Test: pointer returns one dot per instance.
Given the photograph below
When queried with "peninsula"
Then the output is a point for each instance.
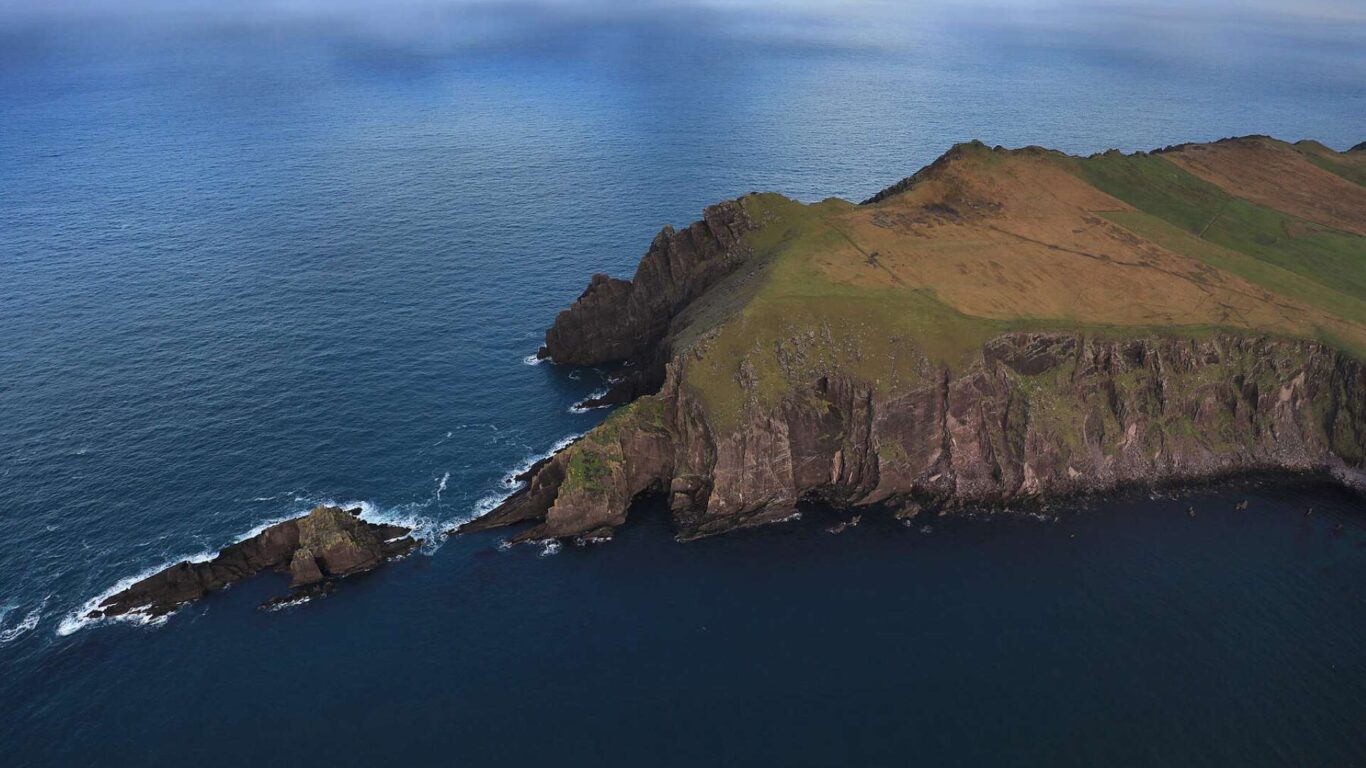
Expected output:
(1004, 326)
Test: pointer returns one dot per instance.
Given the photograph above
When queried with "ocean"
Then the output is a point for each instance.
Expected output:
(257, 259)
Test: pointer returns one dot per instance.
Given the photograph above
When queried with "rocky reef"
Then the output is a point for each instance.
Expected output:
(328, 543)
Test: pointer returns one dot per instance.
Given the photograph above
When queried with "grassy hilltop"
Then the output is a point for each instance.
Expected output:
(1246, 235)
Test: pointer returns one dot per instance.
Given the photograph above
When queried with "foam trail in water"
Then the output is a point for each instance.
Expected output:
(24, 626)
(442, 485)
(533, 359)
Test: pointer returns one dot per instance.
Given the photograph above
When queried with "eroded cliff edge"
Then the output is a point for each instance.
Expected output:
(1002, 326)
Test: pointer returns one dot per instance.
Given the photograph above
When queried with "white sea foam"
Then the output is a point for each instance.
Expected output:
(579, 407)
(410, 516)
(23, 626)
(442, 485)
(532, 359)
(549, 547)
(79, 619)
(284, 604)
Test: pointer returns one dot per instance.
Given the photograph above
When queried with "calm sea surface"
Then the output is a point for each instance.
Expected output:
(251, 262)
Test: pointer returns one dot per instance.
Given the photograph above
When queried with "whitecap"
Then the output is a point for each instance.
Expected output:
(549, 547)
(534, 359)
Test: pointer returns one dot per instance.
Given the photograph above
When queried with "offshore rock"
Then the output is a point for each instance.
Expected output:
(327, 543)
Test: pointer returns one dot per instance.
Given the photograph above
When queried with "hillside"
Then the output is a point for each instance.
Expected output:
(1003, 325)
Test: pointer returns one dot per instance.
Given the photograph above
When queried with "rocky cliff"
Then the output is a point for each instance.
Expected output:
(999, 328)
(619, 320)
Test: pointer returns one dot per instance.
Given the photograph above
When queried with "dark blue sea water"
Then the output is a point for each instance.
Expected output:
(255, 259)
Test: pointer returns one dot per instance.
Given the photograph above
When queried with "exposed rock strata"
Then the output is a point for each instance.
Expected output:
(327, 543)
(1039, 414)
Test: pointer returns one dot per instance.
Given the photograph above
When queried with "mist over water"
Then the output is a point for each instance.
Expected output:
(258, 256)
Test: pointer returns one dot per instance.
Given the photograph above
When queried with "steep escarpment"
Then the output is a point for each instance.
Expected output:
(1001, 327)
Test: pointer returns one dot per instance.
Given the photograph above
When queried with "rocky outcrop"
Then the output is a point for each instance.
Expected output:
(617, 320)
(1039, 415)
(327, 543)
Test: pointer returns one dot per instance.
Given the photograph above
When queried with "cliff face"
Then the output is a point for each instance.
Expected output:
(1037, 415)
(616, 320)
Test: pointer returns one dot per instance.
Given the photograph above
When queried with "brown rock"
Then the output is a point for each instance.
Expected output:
(326, 543)
(304, 569)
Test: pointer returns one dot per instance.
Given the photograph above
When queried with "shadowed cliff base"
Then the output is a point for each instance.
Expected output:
(1001, 327)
